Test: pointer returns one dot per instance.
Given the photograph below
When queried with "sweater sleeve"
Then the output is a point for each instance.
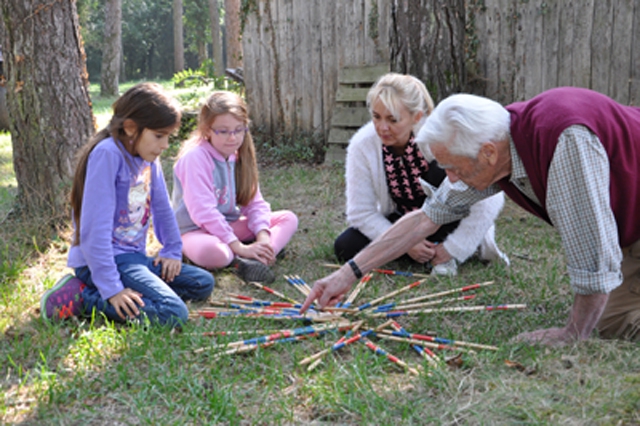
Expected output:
(195, 172)
(97, 221)
(466, 238)
(362, 177)
(258, 213)
(164, 221)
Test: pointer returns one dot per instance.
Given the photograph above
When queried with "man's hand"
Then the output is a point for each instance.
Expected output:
(585, 313)
(330, 290)
(126, 303)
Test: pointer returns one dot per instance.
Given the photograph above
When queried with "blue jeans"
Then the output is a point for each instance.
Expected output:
(163, 302)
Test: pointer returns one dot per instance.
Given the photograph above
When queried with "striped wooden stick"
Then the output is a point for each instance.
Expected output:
(303, 283)
(426, 353)
(443, 341)
(394, 314)
(385, 271)
(439, 346)
(320, 354)
(335, 347)
(445, 293)
(389, 295)
(379, 351)
(358, 288)
(434, 302)
(274, 292)
(296, 285)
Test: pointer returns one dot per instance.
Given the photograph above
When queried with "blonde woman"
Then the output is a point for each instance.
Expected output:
(384, 169)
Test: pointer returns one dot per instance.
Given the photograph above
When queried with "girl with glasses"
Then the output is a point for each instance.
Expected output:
(223, 219)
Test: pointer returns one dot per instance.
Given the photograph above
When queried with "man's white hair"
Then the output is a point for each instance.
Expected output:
(463, 122)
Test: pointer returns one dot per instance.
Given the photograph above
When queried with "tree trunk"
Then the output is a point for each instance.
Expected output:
(216, 41)
(48, 100)
(110, 72)
(232, 25)
(178, 38)
(427, 41)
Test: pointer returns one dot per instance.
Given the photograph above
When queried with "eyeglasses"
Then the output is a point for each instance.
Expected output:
(228, 133)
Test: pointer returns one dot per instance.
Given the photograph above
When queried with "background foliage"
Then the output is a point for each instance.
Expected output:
(147, 36)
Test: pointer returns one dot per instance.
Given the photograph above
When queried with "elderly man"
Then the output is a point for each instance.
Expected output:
(570, 156)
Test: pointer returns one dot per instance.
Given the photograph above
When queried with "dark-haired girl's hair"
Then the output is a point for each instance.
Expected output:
(149, 106)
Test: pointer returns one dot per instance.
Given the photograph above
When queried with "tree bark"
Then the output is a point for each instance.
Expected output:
(234, 40)
(216, 40)
(427, 41)
(110, 73)
(47, 98)
(178, 37)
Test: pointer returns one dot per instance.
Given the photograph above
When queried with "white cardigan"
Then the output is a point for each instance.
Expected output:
(368, 200)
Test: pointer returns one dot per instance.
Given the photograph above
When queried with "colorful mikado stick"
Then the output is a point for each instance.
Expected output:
(379, 351)
(318, 355)
(248, 348)
(336, 346)
(340, 326)
(259, 302)
(358, 288)
(434, 302)
(426, 353)
(444, 341)
(274, 292)
(385, 271)
(386, 336)
(303, 283)
(394, 314)
(389, 295)
(445, 293)
(296, 285)
(314, 364)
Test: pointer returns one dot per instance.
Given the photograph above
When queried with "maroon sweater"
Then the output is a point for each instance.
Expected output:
(536, 125)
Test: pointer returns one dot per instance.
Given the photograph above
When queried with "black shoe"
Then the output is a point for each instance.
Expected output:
(252, 270)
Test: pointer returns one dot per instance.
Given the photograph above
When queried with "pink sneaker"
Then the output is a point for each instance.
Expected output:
(63, 300)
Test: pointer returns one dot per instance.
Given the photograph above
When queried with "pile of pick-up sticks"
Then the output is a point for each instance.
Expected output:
(347, 318)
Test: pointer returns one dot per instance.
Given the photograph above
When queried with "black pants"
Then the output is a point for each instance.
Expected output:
(352, 241)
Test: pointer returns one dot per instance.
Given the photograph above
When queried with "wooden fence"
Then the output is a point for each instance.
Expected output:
(528, 46)
(294, 49)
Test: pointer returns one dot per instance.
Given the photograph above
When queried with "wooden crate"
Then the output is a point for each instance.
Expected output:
(350, 111)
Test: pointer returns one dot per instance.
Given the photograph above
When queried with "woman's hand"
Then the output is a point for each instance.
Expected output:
(126, 303)
(422, 252)
(441, 255)
(170, 267)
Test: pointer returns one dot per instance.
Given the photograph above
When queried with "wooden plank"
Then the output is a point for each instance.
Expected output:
(507, 52)
(362, 75)
(335, 153)
(340, 135)
(329, 62)
(351, 94)
(519, 54)
(621, 52)
(533, 49)
(489, 53)
(550, 46)
(582, 34)
(354, 117)
(565, 43)
(634, 78)
(601, 46)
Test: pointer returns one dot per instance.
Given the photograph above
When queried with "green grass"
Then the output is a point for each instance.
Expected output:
(91, 372)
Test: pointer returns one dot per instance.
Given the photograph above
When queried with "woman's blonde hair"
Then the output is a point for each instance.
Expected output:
(395, 90)
(246, 175)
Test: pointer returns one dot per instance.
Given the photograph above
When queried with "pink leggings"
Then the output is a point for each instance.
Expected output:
(209, 252)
